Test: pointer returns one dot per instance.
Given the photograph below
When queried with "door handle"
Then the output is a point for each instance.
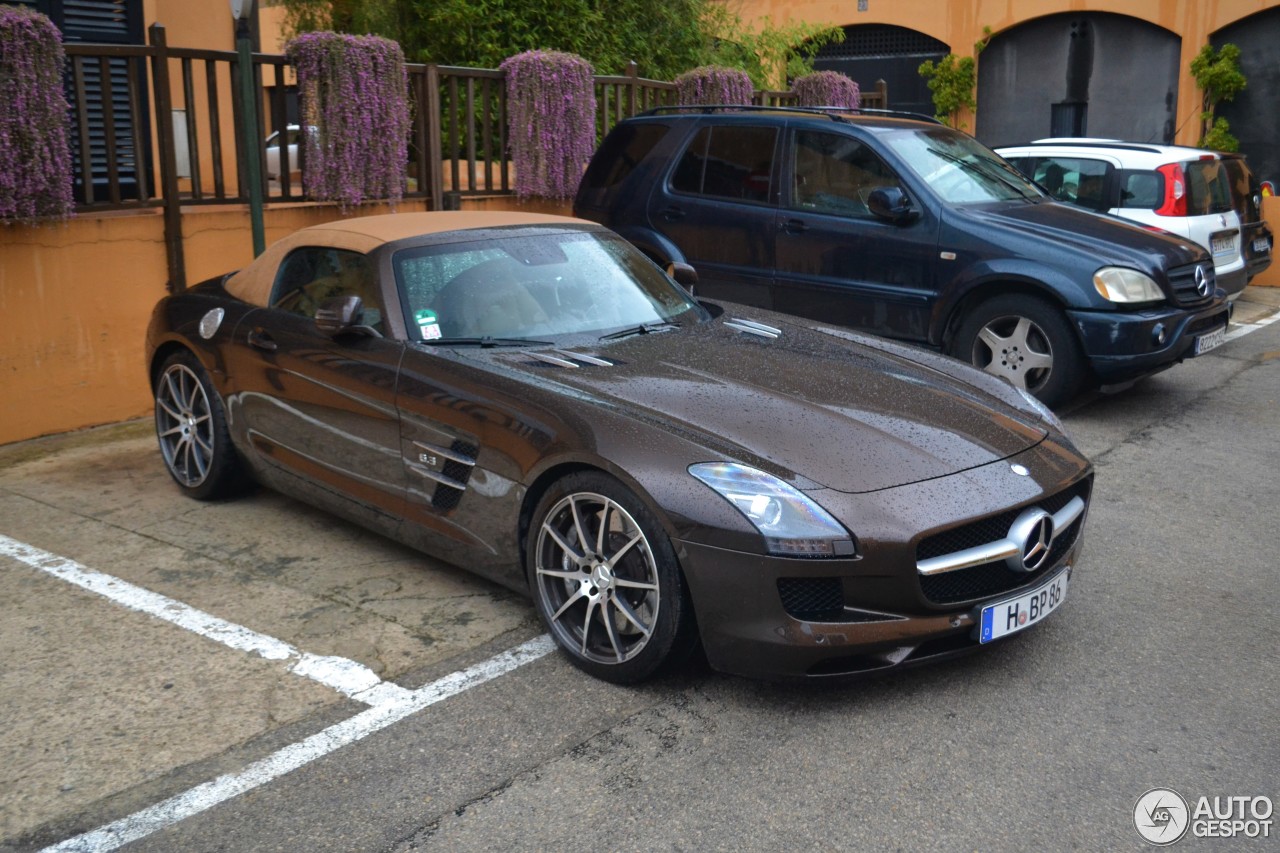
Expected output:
(260, 339)
(671, 213)
(793, 226)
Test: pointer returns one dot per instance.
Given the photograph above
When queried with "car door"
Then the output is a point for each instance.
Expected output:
(319, 412)
(717, 206)
(835, 260)
(466, 435)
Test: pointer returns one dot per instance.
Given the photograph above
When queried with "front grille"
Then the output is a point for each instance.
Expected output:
(993, 578)
(1183, 282)
(1205, 324)
(812, 599)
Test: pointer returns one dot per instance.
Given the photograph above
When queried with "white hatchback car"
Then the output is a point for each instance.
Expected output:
(1186, 191)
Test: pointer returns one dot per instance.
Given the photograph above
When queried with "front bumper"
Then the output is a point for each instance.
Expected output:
(778, 618)
(1124, 345)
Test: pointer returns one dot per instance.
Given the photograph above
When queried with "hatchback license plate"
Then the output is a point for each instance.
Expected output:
(1014, 614)
(1223, 245)
(1204, 343)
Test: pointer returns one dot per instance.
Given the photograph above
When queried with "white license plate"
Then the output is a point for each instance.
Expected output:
(1015, 614)
(1204, 343)
(1223, 245)
(1261, 246)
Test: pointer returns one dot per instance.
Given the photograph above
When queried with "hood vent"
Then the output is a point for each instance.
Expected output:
(751, 327)
(574, 360)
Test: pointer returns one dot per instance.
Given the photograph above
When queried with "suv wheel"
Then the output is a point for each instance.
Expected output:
(1026, 341)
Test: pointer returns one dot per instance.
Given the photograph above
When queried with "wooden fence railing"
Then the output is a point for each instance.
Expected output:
(196, 155)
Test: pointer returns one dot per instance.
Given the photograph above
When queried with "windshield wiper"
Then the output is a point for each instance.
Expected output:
(486, 342)
(991, 174)
(640, 329)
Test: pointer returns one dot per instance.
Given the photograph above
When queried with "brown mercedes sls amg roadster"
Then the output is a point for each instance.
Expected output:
(530, 398)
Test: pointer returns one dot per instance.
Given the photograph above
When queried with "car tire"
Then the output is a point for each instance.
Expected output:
(606, 580)
(191, 427)
(1026, 341)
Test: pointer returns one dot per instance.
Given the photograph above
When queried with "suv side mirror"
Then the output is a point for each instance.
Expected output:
(339, 315)
(684, 275)
(892, 205)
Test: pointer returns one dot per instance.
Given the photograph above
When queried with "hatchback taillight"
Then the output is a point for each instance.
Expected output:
(1175, 190)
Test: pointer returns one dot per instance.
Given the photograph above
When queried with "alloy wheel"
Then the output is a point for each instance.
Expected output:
(184, 425)
(597, 578)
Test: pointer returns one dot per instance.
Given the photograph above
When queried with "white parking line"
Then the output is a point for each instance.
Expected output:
(196, 800)
(390, 702)
(346, 676)
(1239, 330)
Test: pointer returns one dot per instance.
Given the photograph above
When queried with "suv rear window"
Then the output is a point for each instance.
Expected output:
(621, 152)
(728, 161)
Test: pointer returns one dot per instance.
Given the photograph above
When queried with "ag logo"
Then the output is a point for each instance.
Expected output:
(1161, 816)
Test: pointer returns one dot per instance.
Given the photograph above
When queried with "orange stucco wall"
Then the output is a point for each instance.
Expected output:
(77, 298)
(960, 24)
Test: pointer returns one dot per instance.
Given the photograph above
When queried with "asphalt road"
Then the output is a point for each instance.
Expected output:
(1159, 671)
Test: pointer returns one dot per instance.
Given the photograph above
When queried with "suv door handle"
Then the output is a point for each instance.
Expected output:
(793, 226)
(671, 213)
(260, 339)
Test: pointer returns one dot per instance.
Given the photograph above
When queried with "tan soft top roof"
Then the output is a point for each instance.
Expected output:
(364, 234)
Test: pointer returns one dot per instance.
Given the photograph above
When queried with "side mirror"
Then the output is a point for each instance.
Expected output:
(339, 314)
(892, 205)
(684, 275)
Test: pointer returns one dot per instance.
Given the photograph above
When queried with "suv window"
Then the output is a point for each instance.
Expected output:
(834, 173)
(311, 275)
(1075, 180)
(621, 153)
(733, 162)
(959, 168)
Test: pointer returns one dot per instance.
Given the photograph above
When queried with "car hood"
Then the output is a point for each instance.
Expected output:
(810, 402)
(1107, 238)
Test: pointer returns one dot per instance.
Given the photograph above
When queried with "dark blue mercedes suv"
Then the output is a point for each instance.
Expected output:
(908, 229)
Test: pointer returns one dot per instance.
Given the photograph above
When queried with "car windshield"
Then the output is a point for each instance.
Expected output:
(534, 286)
(959, 168)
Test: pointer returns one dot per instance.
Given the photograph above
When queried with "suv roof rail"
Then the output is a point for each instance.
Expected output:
(833, 113)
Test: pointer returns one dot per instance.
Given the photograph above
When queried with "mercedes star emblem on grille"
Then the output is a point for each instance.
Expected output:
(1202, 280)
(1034, 529)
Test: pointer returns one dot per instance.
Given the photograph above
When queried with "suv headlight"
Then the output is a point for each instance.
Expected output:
(792, 523)
(1119, 284)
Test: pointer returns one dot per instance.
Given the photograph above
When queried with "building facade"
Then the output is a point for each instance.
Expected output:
(1105, 68)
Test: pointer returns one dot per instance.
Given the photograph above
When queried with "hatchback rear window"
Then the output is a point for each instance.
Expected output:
(1208, 187)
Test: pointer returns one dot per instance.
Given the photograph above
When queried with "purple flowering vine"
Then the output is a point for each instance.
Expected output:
(355, 111)
(713, 84)
(35, 157)
(827, 89)
(551, 106)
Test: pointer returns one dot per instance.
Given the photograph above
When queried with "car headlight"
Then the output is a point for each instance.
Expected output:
(792, 523)
(1119, 284)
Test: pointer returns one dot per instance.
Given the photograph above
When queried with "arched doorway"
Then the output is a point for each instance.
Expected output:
(872, 52)
(1253, 115)
(1079, 74)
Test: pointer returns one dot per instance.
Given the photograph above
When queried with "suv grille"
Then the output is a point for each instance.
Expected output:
(1183, 281)
(993, 578)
